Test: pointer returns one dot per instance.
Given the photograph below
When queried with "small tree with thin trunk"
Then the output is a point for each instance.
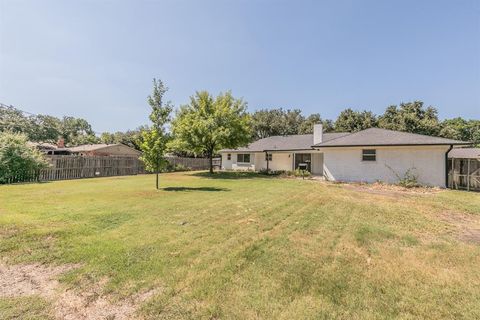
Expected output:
(209, 124)
(155, 137)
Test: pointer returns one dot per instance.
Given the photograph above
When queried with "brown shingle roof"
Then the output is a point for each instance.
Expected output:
(284, 143)
(383, 137)
(465, 153)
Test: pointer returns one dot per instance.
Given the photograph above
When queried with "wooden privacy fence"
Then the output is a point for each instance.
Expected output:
(464, 174)
(66, 167)
(77, 167)
(193, 163)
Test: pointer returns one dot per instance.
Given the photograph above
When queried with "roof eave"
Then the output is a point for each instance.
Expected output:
(394, 145)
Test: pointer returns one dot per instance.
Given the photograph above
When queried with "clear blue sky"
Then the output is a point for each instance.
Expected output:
(96, 59)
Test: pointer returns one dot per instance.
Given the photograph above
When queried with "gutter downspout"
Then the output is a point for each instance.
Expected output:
(446, 165)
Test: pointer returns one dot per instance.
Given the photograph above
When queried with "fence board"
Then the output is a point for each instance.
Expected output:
(66, 167)
(193, 163)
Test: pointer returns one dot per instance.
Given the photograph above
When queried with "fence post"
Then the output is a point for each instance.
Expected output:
(468, 175)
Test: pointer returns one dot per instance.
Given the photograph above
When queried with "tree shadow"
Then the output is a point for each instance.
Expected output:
(230, 175)
(194, 189)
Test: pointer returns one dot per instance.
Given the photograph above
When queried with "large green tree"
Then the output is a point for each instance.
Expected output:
(461, 129)
(411, 117)
(268, 122)
(155, 137)
(352, 121)
(131, 138)
(45, 128)
(307, 125)
(209, 124)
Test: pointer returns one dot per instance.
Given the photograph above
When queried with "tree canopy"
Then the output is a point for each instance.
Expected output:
(209, 124)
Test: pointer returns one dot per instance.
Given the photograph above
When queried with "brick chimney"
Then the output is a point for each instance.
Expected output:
(61, 143)
(317, 133)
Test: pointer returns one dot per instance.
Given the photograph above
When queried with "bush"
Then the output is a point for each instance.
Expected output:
(298, 173)
(408, 180)
(271, 172)
(181, 167)
(18, 161)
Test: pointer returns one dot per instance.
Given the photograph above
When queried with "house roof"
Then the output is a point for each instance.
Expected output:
(42, 145)
(465, 153)
(383, 137)
(90, 147)
(285, 143)
(95, 147)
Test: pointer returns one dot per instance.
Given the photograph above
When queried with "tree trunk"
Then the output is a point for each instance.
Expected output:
(211, 162)
(158, 169)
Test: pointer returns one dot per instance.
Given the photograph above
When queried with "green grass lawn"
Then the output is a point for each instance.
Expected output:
(242, 246)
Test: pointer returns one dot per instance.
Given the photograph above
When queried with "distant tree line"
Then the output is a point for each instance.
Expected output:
(411, 117)
(74, 131)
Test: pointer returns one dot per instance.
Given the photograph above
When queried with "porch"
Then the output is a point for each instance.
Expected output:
(286, 161)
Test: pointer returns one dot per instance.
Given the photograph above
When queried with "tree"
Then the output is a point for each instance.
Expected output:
(313, 119)
(293, 120)
(131, 138)
(352, 121)
(155, 137)
(411, 117)
(209, 124)
(461, 129)
(266, 123)
(18, 161)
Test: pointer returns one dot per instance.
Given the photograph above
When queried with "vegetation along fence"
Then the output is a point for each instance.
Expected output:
(464, 174)
(65, 167)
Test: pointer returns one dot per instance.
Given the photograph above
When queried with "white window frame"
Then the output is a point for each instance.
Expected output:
(243, 156)
(229, 156)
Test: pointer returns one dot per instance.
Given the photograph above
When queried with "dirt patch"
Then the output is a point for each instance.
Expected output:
(37, 279)
(390, 189)
(466, 227)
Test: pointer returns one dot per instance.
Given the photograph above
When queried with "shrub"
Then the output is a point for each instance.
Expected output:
(297, 173)
(181, 167)
(271, 172)
(18, 161)
(408, 180)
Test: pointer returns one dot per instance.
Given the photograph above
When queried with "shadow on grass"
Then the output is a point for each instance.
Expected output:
(230, 175)
(194, 189)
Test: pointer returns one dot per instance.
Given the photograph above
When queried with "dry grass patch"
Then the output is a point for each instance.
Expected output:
(240, 246)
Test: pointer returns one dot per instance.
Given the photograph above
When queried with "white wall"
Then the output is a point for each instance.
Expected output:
(232, 164)
(345, 164)
(280, 161)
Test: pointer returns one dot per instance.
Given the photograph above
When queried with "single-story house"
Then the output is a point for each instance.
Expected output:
(101, 149)
(366, 156)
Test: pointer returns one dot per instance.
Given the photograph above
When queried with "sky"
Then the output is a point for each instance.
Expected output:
(96, 59)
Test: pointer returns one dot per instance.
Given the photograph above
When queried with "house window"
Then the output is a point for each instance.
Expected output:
(369, 155)
(268, 157)
(229, 156)
(243, 157)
